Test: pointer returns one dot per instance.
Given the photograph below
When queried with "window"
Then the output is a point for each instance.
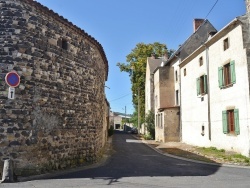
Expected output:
(226, 44)
(176, 76)
(156, 101)
(230, 120)
(201, 61)
(160, 120)
(185, 72)
(62, 43)
(227, 75)
(156, 120)
(201, 84)
(177, 97)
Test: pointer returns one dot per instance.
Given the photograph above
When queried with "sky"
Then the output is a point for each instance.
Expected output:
(118, 25)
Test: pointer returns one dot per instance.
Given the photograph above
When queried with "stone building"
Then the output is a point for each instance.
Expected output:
(57, 118)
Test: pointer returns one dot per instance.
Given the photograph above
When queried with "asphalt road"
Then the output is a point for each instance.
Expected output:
(134, 164)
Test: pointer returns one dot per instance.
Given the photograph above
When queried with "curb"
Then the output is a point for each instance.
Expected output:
(192, 160)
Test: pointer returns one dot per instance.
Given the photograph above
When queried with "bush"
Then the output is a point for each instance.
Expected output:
(111, 131)
(147, 137)
(150, 124)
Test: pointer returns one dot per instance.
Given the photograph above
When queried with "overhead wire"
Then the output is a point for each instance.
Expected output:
(211, 9)
(120, 97)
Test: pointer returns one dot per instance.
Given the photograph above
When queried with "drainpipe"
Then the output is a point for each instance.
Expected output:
(180, 118)
(208, 93)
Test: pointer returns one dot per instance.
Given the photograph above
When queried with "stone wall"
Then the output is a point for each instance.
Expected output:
(172, 124)
(57, 117)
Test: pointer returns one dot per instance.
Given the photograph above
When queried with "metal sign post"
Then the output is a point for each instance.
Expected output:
(11, 93)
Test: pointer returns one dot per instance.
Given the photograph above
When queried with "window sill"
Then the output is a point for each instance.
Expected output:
(231, 134)
(227, 86)
(201, 95)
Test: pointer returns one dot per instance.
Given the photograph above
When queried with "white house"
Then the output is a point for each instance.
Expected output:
(215, 90)
(167, 85)
(152, 64)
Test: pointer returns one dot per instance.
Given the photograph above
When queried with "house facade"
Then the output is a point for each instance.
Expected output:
(119, 120)
(215, 90)
(166, 113)
(152, 64)
(167, 81)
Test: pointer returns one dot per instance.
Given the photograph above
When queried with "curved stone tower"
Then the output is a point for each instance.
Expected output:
(56, 119)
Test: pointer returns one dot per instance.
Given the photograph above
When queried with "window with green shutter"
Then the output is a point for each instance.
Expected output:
(230, 121)
(201, 85)
(224, 122)
(232, 72)
(236, 121)
(198, 86)
(226, 75)
(220, 76)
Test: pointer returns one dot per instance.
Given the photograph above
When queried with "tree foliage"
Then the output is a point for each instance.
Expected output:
(150, 124)
(136, 67)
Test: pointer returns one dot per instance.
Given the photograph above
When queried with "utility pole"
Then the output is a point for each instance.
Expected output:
(125, 119)
(138, 110)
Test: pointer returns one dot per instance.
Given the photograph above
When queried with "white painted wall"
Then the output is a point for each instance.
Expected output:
(147, 90)
(195, 112)
(236, 96)
(175, 64)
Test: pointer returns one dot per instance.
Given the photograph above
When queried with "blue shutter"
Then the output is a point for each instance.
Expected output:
(236, 121)
(220, 77)
(224, 122)
(232, 72)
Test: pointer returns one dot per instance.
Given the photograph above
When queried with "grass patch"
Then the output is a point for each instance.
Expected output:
(186, 154)
(224, 156)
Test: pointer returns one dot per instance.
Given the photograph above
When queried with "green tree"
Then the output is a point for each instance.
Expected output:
(134, 119)
(136, 67)
(150, 124)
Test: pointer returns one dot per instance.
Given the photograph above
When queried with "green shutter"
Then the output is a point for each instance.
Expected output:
(220, 77)
(205, 83)
(198, 86)
(236, 121)
(232, 71)
(224, 122)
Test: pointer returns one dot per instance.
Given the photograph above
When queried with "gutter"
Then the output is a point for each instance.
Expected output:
(208, 93)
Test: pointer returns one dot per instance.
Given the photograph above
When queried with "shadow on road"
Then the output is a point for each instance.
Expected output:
(135, 159)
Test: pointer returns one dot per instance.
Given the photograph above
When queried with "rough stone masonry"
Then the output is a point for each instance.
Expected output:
(57, 117)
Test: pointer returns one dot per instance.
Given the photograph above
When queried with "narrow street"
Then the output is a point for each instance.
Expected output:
(134, 164)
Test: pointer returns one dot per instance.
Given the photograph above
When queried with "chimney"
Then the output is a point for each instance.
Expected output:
(153, 56)
(165, 57)
(247, 6)
(197, 23)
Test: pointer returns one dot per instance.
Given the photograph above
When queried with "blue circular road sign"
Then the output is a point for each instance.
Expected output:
(12, 79)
